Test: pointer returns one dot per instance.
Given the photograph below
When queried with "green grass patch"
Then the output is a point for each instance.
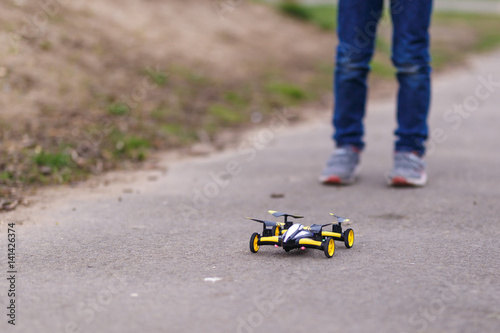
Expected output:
(236, 99)
(382, 70)
(296, 10)
(179, 132)
(286, 93)
(6, 176)
(324, 15)
(157, 76)
(164, 113)
(488, 41)
(447, 17)
(118, 109)
(55, 161)
(441, 57)
(159, 113)
(225, 115)
(186, 73)
(383, 45)
(131, 147)
(134, 142)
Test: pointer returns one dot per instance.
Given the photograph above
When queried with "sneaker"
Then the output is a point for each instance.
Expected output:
(342, 167)
(409, 170)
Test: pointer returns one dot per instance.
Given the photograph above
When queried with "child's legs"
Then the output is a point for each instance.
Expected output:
(357, 24)
(411, 57)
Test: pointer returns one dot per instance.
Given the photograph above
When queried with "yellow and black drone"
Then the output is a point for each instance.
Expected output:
(291, 236)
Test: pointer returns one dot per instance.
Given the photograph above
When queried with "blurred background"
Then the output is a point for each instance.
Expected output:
(89, 86)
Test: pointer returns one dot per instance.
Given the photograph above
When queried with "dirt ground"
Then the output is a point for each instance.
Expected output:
(63, 58)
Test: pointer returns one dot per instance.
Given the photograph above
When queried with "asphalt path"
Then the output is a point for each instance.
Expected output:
(153, 251)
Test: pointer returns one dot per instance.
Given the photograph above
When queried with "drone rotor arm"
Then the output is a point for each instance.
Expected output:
(266, 223)
(279, 214)
(340, 219)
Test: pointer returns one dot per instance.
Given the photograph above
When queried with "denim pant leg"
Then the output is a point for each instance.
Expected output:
(357, 25)
(411, 20)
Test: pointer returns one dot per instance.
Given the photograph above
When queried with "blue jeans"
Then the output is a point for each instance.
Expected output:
(357, 27)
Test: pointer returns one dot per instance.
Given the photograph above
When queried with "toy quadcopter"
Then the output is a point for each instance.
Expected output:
(291, 236)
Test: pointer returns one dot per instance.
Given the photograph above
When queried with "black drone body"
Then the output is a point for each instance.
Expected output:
(290, 235)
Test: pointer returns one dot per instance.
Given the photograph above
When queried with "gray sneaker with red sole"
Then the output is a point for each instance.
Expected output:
(343, 167)
(408, 170)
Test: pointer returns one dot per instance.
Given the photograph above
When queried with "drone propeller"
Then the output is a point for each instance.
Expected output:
(267, 223)
(256, 220)
(279, 214)
(340, 219)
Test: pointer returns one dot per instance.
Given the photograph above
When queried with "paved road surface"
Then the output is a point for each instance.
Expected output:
(425, 260)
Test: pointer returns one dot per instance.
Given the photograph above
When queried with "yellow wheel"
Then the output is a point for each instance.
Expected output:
(276, 231)
(349, 238)
(254, 242)
(329, 247)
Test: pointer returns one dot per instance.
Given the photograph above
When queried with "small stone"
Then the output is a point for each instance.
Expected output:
(212, 279)
(199, 149)
(46, 170)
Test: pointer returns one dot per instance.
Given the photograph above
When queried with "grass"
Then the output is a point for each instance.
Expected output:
(131, 147)
(225, 115)
(321, 15)
(236, 99)
(483, 27)
(157, 76)
(382, 70)
(118, 109)
(7, 176)
(55, 161)
(286, 94)
(488, 42)
(178, 134)
(296, 10)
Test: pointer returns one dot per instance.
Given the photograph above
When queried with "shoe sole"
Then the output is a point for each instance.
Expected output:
(336, 180)
(400, 181)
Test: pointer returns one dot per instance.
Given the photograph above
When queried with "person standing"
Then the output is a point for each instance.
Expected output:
(357, 27)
